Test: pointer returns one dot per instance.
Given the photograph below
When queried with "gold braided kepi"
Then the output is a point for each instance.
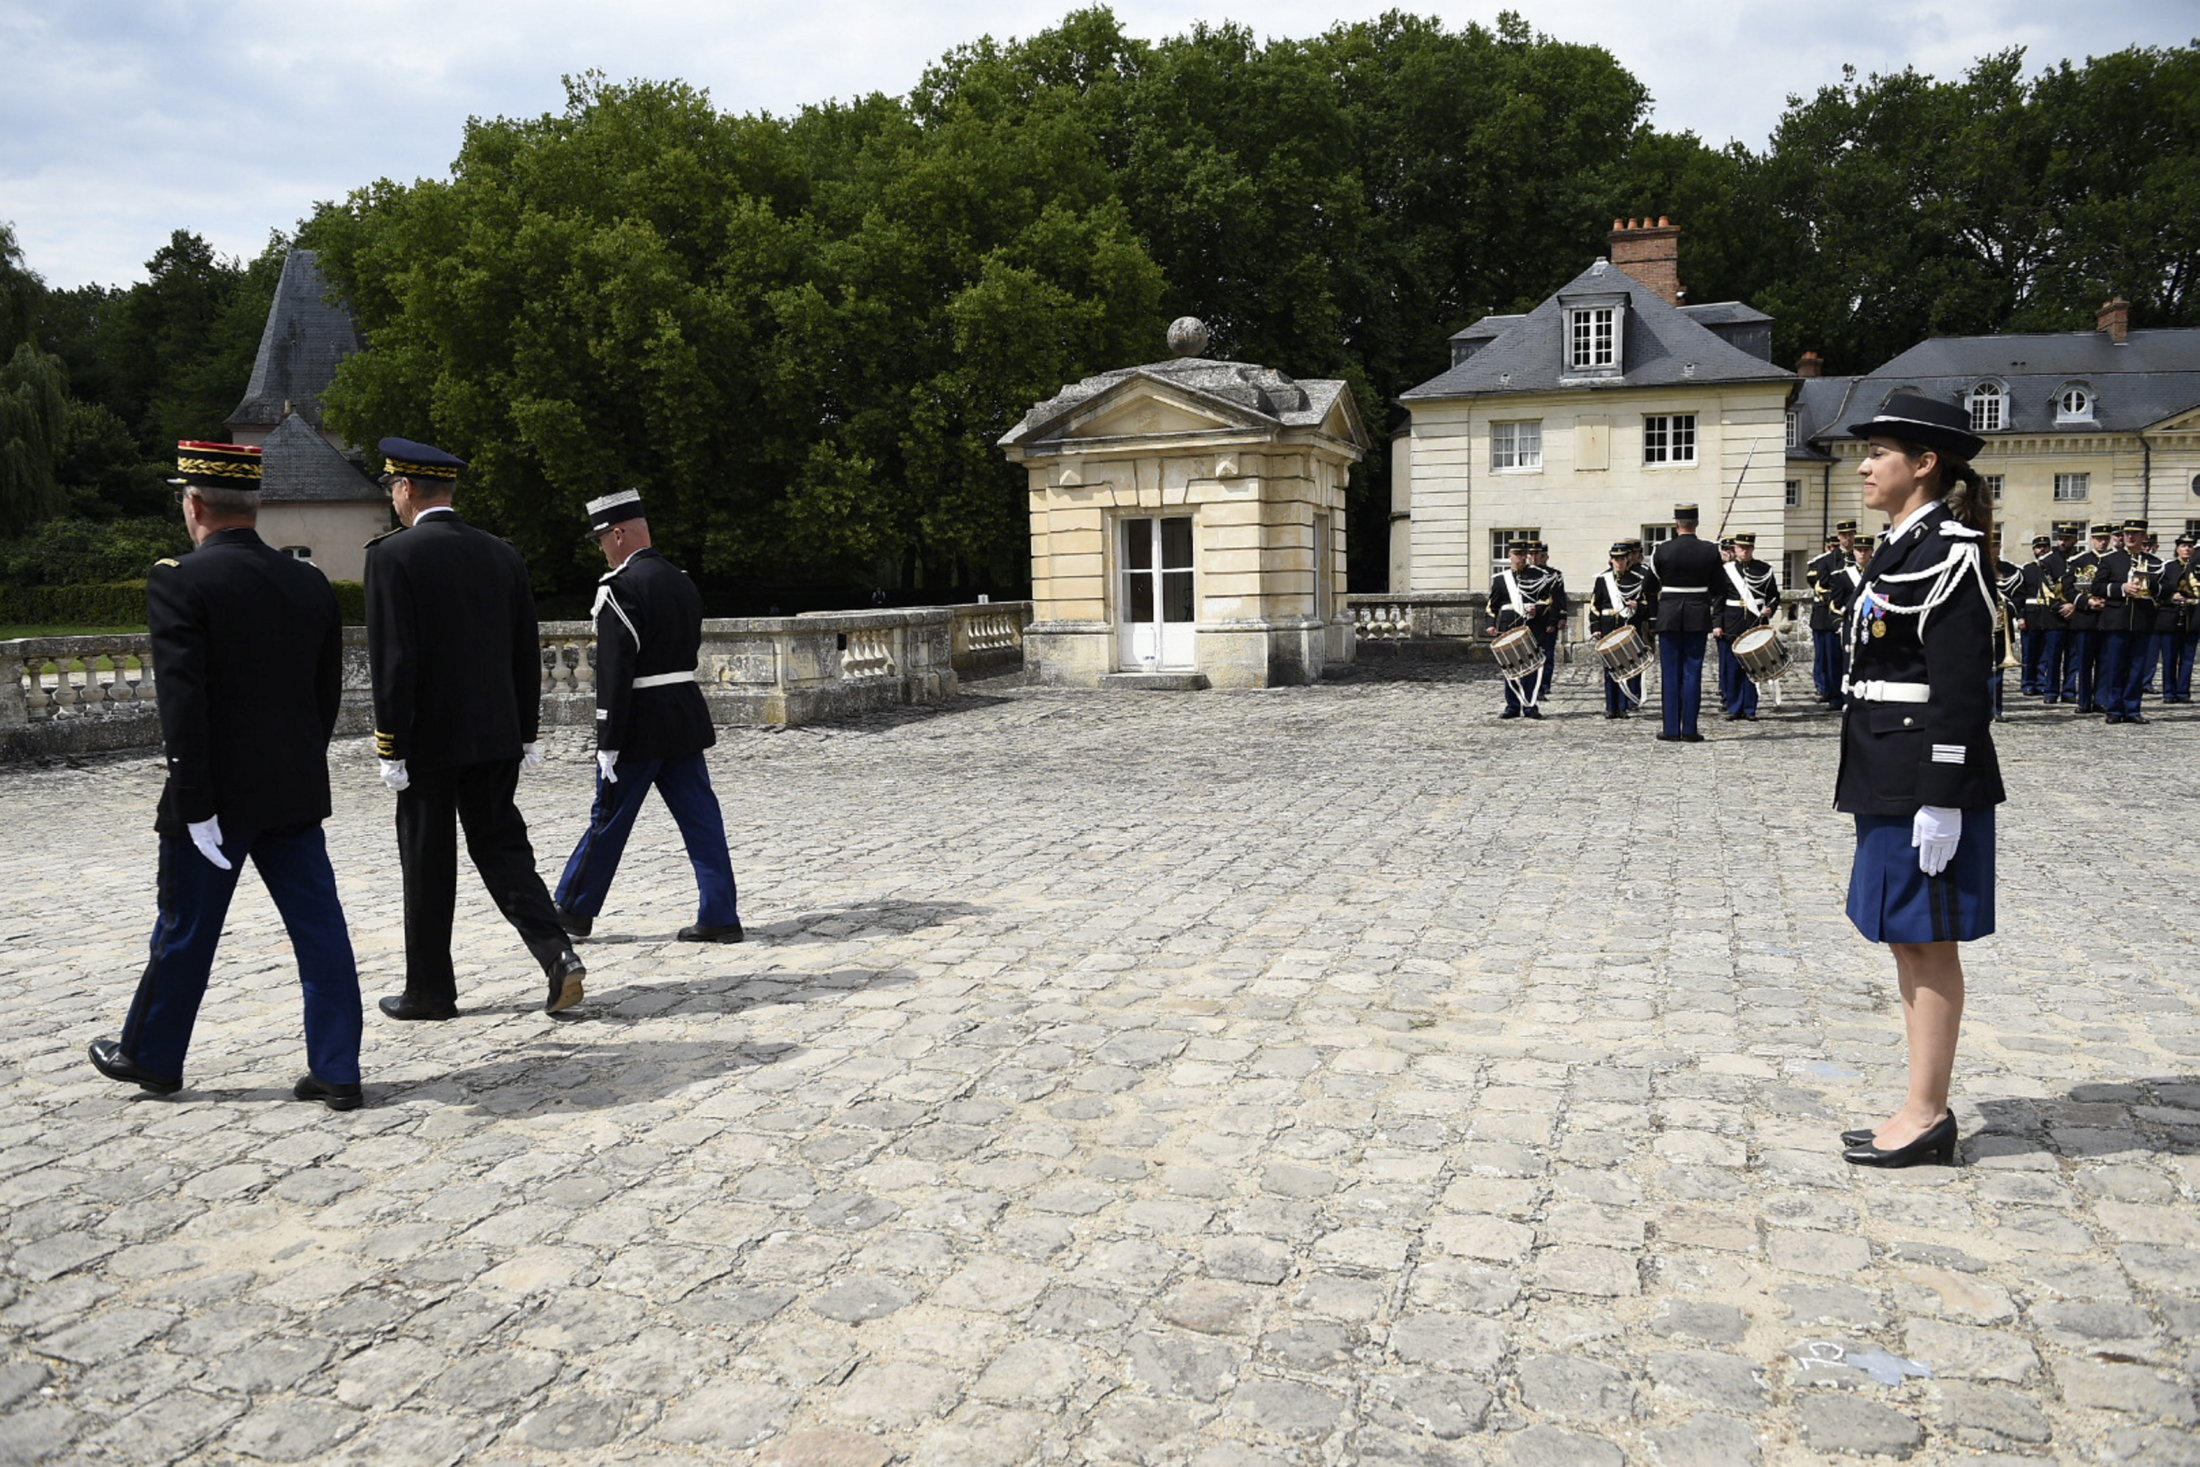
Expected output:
(202, 465)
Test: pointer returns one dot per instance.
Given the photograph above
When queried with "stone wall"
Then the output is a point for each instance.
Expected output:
(79, 695)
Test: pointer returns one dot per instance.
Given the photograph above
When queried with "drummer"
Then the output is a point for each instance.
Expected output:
(1517, 600)
(1616, 601)
(1747, 596)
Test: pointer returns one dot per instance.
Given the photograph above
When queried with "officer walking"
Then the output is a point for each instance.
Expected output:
(1686, 570)
(652, 726)
(248, 655)
(457, 666)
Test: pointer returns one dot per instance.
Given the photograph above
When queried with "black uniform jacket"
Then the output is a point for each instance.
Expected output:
(2180, 577)
(2009, 581)
(1542, 592)
(1898, 756)
(649, 621)
(2082, 565)
(248, 657)
(1609, 613)
(1689, 572)
(451, 635)
(1764, 588)
(2124, 612)
(1823, 618)
(1839, 590)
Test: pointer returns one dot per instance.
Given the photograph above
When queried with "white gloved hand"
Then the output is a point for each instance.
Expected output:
(394, 775)
(606, 761)
(530, 756)
(207, 836)
(1935, 832)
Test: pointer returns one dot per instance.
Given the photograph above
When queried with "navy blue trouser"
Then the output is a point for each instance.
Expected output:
(1680, 679)
(2123, 672)
(194, 898)
(2156, 643)
(2087, 654)
(1737, 693)
(684, 781)
(2058, 674)
(1828, 665)
(2034, 652)
(1549, 644)
(1621, 696)
(2177, 665)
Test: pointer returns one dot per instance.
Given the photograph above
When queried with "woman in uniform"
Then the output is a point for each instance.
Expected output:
(1918, 769)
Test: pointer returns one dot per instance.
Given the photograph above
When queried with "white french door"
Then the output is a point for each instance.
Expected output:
(1154, 608)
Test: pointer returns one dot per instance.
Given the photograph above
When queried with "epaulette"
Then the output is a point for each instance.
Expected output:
(166, 560)
(1959, 531)
(384, 536)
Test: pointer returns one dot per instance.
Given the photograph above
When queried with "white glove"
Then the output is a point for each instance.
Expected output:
(207, 836)
(530, 756)
(606, 759)
(394, 775)
(1935, 832)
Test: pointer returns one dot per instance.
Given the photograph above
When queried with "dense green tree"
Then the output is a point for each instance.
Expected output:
(34, 418)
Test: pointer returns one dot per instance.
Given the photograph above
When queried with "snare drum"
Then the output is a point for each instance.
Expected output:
(1517, 653)
(1762, 655)
(1625, 652)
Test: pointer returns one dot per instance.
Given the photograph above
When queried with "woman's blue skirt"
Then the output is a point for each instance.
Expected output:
(1890, 900)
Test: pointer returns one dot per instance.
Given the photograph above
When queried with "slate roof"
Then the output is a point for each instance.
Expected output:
(2153, 376)
(1818, 404)
(305, 337)
(297, 466)
(1241, 390)
(1658, 346)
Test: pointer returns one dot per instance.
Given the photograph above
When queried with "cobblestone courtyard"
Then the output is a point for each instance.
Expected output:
(1330, 1075)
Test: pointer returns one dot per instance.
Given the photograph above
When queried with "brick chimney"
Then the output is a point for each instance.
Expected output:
(1812, 365)
(2114, 318)
(1651, 253)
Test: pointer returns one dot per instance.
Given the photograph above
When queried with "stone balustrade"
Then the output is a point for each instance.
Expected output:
(76, 695)
(1451, 623)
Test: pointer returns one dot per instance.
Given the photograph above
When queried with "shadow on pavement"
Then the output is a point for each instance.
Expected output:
(627, 1004)
(887, 918)
(2159, 1114)
(551, 1074)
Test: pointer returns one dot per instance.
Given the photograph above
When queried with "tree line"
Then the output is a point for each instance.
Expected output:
(802, 335)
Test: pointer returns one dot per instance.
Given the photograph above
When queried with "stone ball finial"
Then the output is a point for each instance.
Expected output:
(1188, 336)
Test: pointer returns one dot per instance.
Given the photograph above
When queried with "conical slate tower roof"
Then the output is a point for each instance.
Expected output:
(304, 339)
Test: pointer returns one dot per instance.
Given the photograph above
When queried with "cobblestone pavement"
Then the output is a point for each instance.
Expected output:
(1332, 1075)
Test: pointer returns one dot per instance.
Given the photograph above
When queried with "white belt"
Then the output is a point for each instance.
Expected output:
(664, 679)
(1873, 691)
(1684, 590)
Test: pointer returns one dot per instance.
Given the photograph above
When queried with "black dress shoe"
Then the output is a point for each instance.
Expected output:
(575, 926)
(565, 973)
(1531, 713)
(1862, 1136)
(405, 1006)
(1666, 738)
(1936, 1145)
(2135, 718)
(336, 1097)
(1691, 738)
(1510, 713)
(702, 932)
(109, 1060)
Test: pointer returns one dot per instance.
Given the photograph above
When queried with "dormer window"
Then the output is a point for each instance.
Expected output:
(1595, 344)
(1989, 405)
(2074, 404)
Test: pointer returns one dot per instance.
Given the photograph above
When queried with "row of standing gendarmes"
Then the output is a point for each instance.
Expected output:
(2098, 629)
(247, 654)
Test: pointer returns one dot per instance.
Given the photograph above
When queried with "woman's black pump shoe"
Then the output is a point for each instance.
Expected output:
(1937, 1145)
(1860, 1137)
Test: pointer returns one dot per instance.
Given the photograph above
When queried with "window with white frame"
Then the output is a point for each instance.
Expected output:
(1653, 536)
(1669, 438)
(1993, 487)
(2074, 404)
(1500, 559)
(2073, 486)
(1592, 338)
(1989, 404)
(1517, 445)
(1795, 427)
(1794, 496)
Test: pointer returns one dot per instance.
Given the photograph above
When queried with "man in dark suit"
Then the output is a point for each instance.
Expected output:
(2122, 597)
(1688, 572)
(652, 726)
(457, 664)
(248, 660)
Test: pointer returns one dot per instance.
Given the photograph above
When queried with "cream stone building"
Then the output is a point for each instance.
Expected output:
(1188, 524)
(1585, 420)
(2100, 425)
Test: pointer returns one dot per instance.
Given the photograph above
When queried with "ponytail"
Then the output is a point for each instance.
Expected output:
(1967, 499)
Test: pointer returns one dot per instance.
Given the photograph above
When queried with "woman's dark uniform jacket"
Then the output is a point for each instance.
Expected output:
(456, 655)
(649, 622)
(1897, 756)
(248, 652)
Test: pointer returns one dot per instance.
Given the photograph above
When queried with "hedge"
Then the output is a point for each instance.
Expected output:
(122, 603)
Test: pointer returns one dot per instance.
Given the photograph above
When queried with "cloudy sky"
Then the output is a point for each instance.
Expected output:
(121, 120)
